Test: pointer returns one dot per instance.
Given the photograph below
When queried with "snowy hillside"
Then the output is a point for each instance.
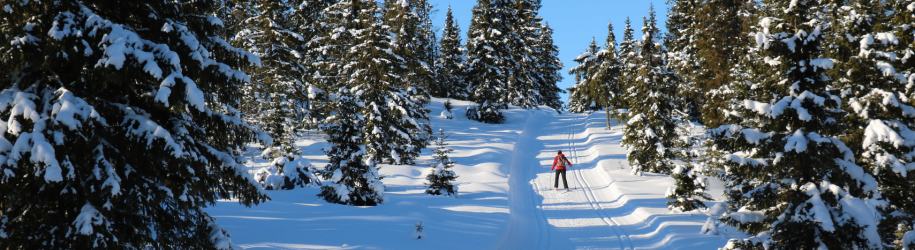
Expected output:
(505, 202)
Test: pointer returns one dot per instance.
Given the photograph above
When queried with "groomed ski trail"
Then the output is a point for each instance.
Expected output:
(542, 218)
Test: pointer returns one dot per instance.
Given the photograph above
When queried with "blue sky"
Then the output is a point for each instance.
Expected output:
(574, 22)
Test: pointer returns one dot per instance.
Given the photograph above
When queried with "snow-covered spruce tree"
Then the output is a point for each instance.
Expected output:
(681, 56)
(650, 133)
(588, 93)
(549, 69)
(790, 181)
(353, 177)
(310, 23)
(718, 47)
(398, 126)
(275, 99)
(441, 178)
(609, 76)
(896, 190)
(881, 119)
(489, 60)
(628, 53)
(525, 76)
(450, 72)
(119, 126)
(690, 188)
(353, 39)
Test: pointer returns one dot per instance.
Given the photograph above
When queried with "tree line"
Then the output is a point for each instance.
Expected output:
(122, 120)
(808, 107)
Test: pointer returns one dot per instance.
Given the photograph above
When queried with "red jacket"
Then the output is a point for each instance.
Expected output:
(556, 161)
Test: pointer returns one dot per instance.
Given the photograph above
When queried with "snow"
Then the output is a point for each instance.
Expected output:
(818, 209)
(821, 63)
(88, 216)
(909, 237)
(503, 173)
(864, 216)
(796, 142)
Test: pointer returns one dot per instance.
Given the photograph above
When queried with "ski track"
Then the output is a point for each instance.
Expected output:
(506, 201)
(597, 213)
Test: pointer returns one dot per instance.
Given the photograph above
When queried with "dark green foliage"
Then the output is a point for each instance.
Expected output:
(650, 133)
(877, 102)
(690, 188)
(790, 181)
(719, 44)
(450, 83)
(588, 93)
(119, 125)
(440, 179)
(353, 177)
(276, 100)
(681, 56)
(490, 59)
(359, 90)
(628, 53)
(548, 69)
(398, 106)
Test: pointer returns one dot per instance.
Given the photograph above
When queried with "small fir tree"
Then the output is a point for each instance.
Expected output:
(354, 179)
(441, 177)
(690, 188)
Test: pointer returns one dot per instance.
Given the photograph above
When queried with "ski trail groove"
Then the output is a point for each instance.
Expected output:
(544, 229)
(522, 199)
(589, 192)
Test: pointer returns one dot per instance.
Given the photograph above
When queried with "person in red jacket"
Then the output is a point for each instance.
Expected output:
(560, 163)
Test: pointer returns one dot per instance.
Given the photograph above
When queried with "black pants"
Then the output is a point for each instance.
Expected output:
(556, 182)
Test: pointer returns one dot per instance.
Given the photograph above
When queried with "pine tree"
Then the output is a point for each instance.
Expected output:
(441, 177)
(790, 181)
(588, 93)
(549, 67)
(119, 125)
(650, 133)
(489, 60)
(879, 115)
(274, 101)
(719, 45)
(681, 55)
(450, 83)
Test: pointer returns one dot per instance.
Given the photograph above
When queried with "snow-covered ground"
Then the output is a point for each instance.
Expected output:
(505, 202)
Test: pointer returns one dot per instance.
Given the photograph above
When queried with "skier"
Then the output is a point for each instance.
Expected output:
(559, 164)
